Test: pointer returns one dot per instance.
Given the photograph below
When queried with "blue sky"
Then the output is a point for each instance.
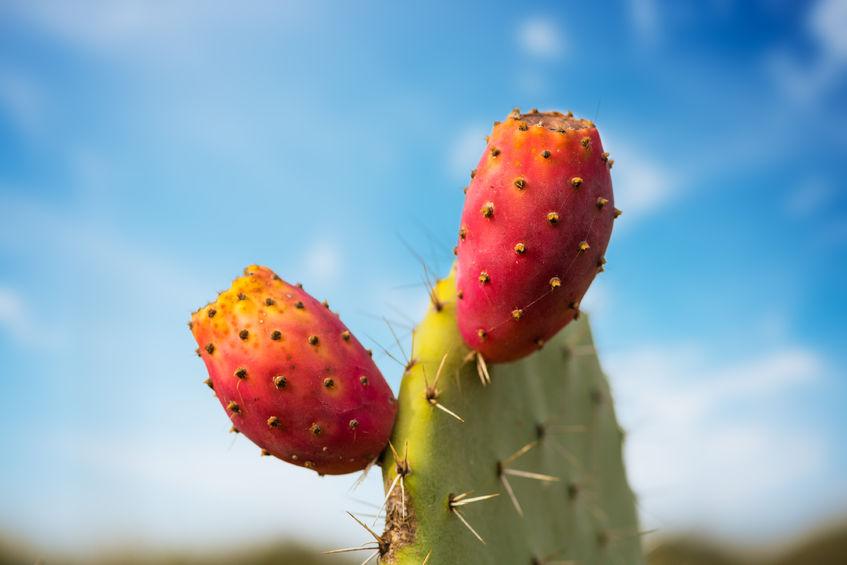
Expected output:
(149, 151)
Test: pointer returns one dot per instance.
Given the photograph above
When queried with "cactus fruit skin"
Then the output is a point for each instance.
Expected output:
(536, 222)
(556, 405)
(291, 376)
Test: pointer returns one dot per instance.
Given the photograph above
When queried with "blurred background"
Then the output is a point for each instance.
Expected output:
(150, 150)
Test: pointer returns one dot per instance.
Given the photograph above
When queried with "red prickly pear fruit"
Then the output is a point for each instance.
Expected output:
(292, 377)
(537, 219)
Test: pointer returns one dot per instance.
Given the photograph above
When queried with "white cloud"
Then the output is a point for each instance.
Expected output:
(644, 187)
(835, 233)
(323, 262)
(23, 101)
(136, 28)
(13, 316)
(812, 199)
(827, 22)
(532, 82)
(775, 325)
(185, 491)
(540, 37)
(644, 17)
(100, 253)
(809, 197)
(465, 151)
(710, 447)
(24, 325)
(802, 81)
(598, 301)
(105, 24)
(641, 184)
(805, 80)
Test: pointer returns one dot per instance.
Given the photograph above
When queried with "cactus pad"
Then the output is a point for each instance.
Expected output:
(541, 435)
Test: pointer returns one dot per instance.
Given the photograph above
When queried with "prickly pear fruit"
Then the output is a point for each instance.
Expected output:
(292, 377)
(535, 225)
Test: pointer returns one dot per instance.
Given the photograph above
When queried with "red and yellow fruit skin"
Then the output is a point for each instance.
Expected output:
(332, 413)
(536, 222)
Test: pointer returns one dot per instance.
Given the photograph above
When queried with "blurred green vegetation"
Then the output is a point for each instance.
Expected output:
(270, 554)
(826, 547)
(691, 552)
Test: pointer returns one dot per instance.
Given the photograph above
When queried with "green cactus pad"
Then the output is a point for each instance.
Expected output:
(544, 425)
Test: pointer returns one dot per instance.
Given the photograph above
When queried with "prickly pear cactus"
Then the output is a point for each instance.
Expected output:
(516, 464)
